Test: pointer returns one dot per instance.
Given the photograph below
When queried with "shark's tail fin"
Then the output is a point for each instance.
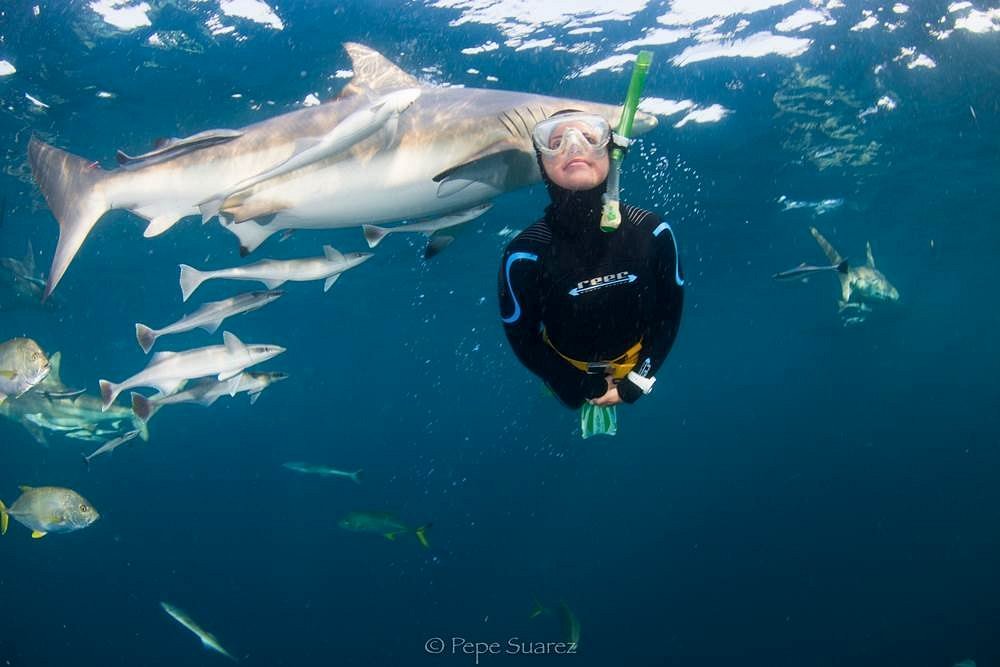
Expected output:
(72, 189)
(374, 234)
(143, 409)
(829, 250)
(109, 392)
(191, 279)
(250, 233)
(421, 534)
(356, 476)
(145, 336)
(842, 267)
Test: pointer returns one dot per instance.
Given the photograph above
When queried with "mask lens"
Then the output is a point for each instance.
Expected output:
(556, 135)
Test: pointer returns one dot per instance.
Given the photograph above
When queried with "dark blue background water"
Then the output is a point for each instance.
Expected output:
(794, 493)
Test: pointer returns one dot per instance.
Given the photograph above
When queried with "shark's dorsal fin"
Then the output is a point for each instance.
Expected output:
(29, 260)
(871, 259)
(373, 72)
(55, 365)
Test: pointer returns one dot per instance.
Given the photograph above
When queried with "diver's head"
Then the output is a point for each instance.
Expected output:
(572, 150)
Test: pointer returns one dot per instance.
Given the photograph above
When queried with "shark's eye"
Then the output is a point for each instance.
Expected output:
(84, 508)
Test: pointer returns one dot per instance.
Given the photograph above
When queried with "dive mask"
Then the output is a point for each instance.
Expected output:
(578, 131)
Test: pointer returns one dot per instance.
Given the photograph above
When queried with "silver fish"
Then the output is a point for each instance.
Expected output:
(805, 270)
(322, 470)
(208, 640)
(208, 318)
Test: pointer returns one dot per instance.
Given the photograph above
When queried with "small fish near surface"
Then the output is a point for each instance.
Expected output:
(382, 523)
(322, 470)
(167, 371)
(20, 285)
(23, 366)
(209, 317)
(274, 272)
(208, 640)
(862, 287)
(49, 509)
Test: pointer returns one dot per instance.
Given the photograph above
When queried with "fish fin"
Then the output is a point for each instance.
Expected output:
(191, 279)
(436, 245)
(3, 397)
(161, 356)
(143, 409)
(373, 71)
(494, 166)
(843, 267)
(828, 249)
(538, 609)
(254, 396)
(332, 254)
(55, 370)
(871, 259)
(3, 518)
(356, 476)
(421, 534)
(374, 234)
(24, 488)
(168, 387)
(328, 283)
(161, 223)
(109, 392)
(271, 284)
(145, 336)
(390, 536)
(233, 344)
(210, 207)
(72, 188)
(251, 234)
(29, 260)
(38, 534)
(37, 434)
(211, 327)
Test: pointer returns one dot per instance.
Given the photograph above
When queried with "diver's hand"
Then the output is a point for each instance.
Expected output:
(610, 397)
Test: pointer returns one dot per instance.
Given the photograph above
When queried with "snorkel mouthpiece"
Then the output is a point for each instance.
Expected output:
(610, 213)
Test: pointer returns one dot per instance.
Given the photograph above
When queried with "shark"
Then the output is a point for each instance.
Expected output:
(860, 286)
(42, 411)
(20, 285)
(451, 149)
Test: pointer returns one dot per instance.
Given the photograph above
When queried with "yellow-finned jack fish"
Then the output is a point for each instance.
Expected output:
(207, 638)
(49, 509)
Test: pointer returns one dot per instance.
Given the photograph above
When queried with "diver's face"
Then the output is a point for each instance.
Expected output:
(577, 169)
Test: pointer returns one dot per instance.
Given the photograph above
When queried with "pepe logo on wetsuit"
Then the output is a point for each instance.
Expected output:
(593, 314)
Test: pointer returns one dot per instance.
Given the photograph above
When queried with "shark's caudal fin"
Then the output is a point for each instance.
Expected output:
(109, 392)
(250, 233)
(374, 235)
(145, 336)
(72, 189)
(191, 279)
(842, 267)
(143, 409)
(356, 476)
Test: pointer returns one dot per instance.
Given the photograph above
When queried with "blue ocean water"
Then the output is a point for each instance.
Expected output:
(795, 491)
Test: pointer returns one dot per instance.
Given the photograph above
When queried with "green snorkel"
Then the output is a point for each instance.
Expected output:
(610, 215)
(594, 419)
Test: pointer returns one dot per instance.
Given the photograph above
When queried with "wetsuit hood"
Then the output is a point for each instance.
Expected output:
(572, 213)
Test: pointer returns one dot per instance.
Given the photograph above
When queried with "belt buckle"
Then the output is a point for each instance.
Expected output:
(597, 367)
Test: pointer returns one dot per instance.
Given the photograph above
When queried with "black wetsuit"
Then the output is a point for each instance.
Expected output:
(595, 294)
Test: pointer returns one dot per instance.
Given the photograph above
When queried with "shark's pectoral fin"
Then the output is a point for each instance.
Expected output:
(494, 166)
(845, 287)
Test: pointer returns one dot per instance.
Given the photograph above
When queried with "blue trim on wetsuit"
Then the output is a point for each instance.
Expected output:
(677, 262)
(517, 307)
